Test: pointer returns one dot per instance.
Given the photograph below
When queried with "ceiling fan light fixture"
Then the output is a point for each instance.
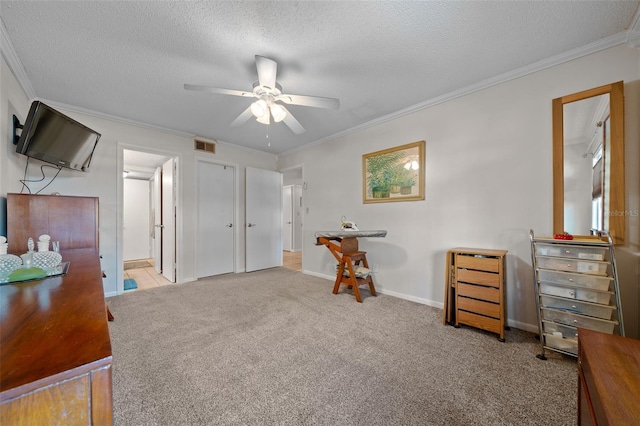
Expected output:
(258, 108)
(278, 113)
(264, 118)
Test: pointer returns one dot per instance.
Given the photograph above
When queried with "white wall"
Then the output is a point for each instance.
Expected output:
(105, 178)
(488, 182)
(136, 213)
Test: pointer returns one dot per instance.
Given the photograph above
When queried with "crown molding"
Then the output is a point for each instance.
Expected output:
(129, 122)
(597, 46)
(633, 33)
(115, 118)
(15, 65)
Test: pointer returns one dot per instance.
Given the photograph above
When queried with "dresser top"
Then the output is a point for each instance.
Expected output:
(53, 326)
(614, 362)
(479, 251)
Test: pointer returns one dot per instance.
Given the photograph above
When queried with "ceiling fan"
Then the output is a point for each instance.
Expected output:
(269, 108)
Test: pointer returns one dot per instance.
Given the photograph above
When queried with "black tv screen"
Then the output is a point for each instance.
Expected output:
(50, 136)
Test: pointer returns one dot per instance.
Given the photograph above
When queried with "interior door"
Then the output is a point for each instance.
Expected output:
(287, 218)
(263, 232)
(216, 207)
(168, 221)
(156, 213)
(297, 218)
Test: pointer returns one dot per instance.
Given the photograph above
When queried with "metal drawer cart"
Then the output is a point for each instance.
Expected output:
(576, 285)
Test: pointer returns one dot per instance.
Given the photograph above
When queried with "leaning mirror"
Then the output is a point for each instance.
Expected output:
(588, 162)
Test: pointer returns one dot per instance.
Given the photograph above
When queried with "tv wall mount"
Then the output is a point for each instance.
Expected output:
(16, 126)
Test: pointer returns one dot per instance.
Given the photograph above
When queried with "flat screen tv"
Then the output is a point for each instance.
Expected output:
(50, 136)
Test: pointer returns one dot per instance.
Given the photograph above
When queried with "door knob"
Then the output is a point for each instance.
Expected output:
(251, 224)
(229, 225)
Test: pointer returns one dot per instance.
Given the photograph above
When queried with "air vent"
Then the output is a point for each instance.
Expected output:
(201, 145)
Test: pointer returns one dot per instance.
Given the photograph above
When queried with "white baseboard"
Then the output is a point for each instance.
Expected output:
(440, 305)
(523, 326)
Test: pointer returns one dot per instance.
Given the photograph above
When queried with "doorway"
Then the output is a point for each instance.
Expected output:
(293, 214)
(148, 237)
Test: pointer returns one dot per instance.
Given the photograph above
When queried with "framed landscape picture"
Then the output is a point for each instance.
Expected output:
(394, 174)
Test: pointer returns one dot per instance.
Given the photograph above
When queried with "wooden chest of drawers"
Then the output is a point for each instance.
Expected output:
(478, 277)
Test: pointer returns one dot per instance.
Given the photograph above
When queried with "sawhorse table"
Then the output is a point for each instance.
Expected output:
(348, 256)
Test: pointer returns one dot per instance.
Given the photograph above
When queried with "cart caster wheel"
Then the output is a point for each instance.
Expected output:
(507, 328)
(456, 326)
(501, 340)
(541, 356)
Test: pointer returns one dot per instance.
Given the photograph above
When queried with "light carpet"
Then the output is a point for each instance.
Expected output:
(276, 347)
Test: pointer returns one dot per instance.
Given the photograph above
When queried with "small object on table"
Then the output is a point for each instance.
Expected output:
(4, 245)
(348, 256)
(563, 236)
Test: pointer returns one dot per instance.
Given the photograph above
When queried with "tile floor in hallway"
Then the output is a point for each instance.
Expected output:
(145, 276)
(292, 260)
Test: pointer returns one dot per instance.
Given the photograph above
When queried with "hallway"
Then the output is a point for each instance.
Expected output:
(145, 274)
(292, 260)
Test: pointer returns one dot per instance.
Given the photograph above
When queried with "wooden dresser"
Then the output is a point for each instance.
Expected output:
(608, 379)
(55, 351)
(477, 277)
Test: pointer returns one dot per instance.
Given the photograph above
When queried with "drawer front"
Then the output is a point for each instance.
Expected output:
(578, 293)
(575, 320)
(573, 265)
(554, 327)
(490, 294)
(575, 252)
(564, 344)
(488, 264)
(477, 277)
(575, 306)
(479, 321)
(479, 307)
(579, 280)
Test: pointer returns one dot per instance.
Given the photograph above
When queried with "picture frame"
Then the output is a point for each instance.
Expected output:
(394, 174)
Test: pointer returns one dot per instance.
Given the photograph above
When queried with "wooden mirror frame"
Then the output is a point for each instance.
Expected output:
(616, 201)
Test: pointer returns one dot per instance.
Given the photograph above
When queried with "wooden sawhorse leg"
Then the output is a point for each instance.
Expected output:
(348, 260)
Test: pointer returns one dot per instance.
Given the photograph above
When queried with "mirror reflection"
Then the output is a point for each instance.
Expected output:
(585, 126)
(588, 162)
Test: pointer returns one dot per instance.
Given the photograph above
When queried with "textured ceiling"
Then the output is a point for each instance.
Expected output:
(131, 59)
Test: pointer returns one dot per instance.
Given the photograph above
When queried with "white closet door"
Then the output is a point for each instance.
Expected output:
(263, 231)
(287, 218)
(297, 218)
(157, 220)
(216, 188)
(168, 222)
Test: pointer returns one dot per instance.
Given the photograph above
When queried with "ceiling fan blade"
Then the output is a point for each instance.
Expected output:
(217, 90)
(312, 101)
(244, 116)
(267, 70)
(293, 124)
